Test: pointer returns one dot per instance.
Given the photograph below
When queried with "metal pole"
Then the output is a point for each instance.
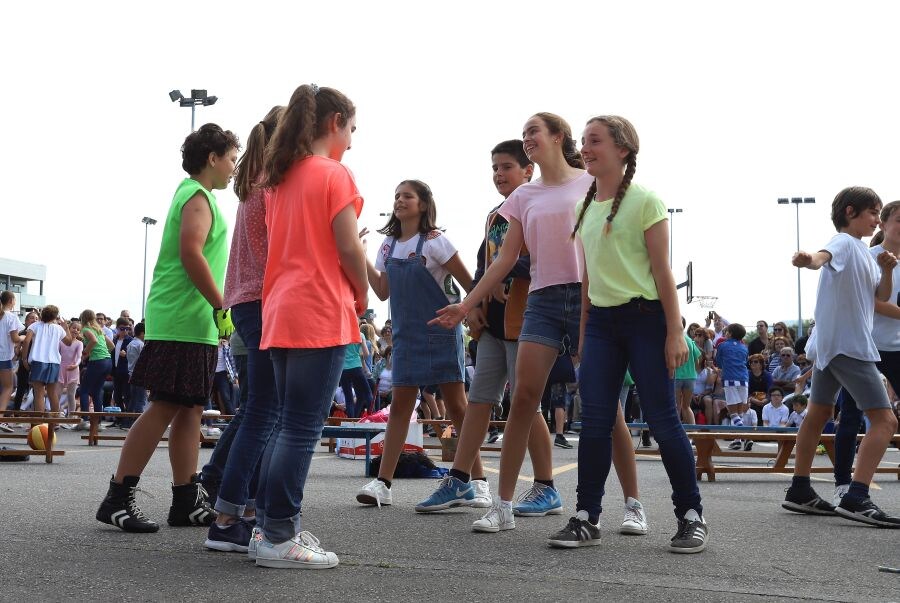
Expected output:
(799, 305)
(193, 107)
(144, 289)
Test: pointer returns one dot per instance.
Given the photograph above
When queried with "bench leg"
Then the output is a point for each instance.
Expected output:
(368, 454)
(785, 447)
(93, 440)
(704, 459)
(50, 435)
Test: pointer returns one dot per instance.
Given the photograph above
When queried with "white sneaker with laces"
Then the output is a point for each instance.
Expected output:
(482, 494)
(5, 427)
(375, 493)
(255, 538)
(300, 552)
(500, 517)
(213, 432)
(839, 492)
(635, 520)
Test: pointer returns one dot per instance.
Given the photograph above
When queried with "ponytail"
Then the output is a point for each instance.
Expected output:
(620, 194)
(570, 152)
(249, 168)
(6, 298)
(588, 198)
(303, 121)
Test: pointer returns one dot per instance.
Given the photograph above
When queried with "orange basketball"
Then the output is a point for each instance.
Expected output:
(38, 436)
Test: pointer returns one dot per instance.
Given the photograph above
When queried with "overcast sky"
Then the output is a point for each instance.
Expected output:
(736, 104)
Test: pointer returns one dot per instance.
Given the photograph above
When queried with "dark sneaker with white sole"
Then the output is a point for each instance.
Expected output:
(866, 511)
(233, 538)
(806, 501)
(578, 532)
(120, 509)
(692, 534)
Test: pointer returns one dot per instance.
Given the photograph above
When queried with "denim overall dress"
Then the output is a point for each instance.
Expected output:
(423, 354)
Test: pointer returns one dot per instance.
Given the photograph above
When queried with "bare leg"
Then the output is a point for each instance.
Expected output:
(474, 427)
(454, 395)
(687, 415)
(70, 396)
(53, 394)
(871, 450)
(184, 444)
(6, 388)
(404, 399)
(817, 415)
(539, 449)
(623, 457)
(559, 417)
(143, 438)
(441, 407)
(532, 369)
(40, 394)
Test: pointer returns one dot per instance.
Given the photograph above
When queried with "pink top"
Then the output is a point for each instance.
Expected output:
(70, 354)
(547, 214)
(249, 246)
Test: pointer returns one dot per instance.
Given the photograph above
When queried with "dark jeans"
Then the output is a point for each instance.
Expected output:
(121, 389)
(630, 336)
(23, 384)
(355, 379)
(237, 457)
(92, 383)
(225, 389)
(305, 381)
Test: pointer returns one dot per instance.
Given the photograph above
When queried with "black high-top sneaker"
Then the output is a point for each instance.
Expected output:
(190, 506)
(120, 509)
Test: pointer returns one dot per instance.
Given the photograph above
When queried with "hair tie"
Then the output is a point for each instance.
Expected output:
(609, 218)
(315, 89)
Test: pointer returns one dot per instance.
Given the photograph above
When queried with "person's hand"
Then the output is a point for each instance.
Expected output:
(449, 316)
(801, 259)
(222, 319)
(886, 260)
(475, 319)
(676, 352)
(72, 367)
(499, 294)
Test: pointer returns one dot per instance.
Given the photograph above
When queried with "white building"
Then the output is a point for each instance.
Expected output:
(16, 276)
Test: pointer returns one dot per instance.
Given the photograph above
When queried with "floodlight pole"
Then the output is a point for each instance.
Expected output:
(796, 201)
(672, 212)
(147, 223)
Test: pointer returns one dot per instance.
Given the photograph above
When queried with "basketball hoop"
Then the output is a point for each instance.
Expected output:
(706, 301)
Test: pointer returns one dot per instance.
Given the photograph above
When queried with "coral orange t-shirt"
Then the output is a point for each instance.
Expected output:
(307, 299)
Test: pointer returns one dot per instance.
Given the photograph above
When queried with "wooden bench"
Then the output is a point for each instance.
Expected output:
(439, 423)
(33, 418)
(93, 437)
(365, 430)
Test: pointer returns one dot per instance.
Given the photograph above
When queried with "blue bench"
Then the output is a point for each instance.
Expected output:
(360, 430)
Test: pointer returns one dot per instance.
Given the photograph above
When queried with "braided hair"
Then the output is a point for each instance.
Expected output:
(624, 136)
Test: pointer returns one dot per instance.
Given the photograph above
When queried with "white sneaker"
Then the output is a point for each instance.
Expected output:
(255, 538)
(482, 498)
(5, 427)
(300, 552)
(83, 426)
(213, 432)
(635, 520)
(374, 493)
(500, 517)
(839, 492)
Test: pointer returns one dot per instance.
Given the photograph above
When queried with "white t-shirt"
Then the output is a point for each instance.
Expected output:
(796, 418)
(385, 381)
(775, 417)
(749, 418)
(437, 250)
(9, 322)
(547, 215)
(45, 342)
(845, 302)
(886, 330)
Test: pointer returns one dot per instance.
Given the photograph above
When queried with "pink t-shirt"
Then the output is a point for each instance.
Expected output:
(308, 301)
(547, 214)
(249, 245)
(70, 355)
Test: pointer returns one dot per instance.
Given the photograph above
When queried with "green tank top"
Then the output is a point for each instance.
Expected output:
(176, 311)
(100, 350)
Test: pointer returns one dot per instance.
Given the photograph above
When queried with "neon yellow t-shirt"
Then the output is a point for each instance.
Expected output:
(617, 263)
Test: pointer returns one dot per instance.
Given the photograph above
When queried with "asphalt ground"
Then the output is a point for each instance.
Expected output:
(54, 550)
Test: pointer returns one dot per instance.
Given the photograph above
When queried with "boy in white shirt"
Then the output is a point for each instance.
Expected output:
(775, 414)
(799, 412)
(846, 355)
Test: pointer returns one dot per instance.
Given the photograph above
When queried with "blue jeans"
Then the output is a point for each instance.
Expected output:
(305, 380)
(631, 336)
(92, 383)
(354, 380)
(236, 459)
(223, 386)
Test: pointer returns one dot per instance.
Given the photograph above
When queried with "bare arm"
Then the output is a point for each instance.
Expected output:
(813, 261)
(886, 261)
(459, 271)
(888, 309)
(26, 347)
(657, 240)
(353, 258)
(196, 221)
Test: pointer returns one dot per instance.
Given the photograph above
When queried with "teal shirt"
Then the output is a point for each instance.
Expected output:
(688, 370)
(351, 357)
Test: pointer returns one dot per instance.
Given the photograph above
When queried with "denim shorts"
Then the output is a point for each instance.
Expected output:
(6, 365)
(681, 384)
(553, 317)
(44, 372)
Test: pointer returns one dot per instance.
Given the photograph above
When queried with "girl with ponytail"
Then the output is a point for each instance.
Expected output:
(541, 217)
(630, 319)
(232, 473)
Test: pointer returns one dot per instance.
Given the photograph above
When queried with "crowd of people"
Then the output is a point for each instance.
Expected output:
(572, 292)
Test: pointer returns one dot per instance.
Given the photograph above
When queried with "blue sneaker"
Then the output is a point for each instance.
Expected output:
(231, 539)
(540, 500)
(451, 493)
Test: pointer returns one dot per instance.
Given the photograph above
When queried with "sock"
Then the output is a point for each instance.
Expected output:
(386, 482)
(505, 504)
(858, 491)
(800, 481)
(546, 482)
(460, 475)
(736, 420)
(479, 479)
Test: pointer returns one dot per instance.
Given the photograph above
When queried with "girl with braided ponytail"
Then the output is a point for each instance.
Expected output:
(541, 216)
(630, 320)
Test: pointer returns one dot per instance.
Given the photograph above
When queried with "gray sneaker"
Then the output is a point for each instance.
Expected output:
(577, 533)
(692, 534)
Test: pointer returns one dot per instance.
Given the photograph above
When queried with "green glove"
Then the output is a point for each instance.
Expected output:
(222, 318)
